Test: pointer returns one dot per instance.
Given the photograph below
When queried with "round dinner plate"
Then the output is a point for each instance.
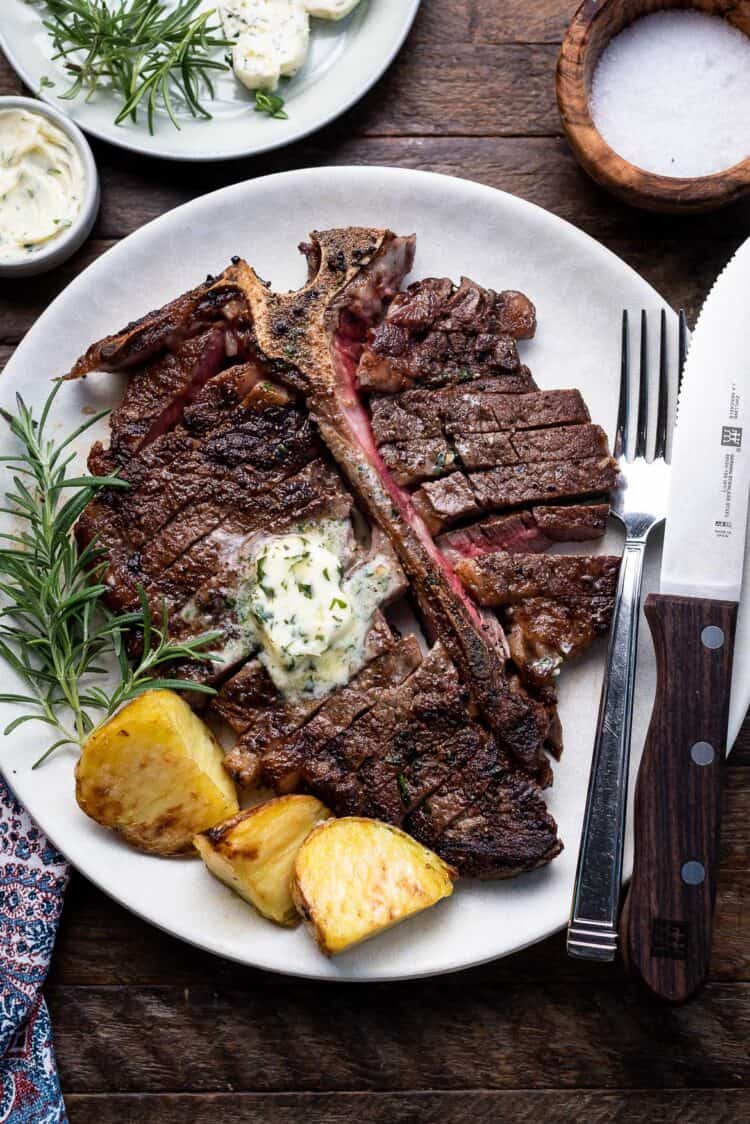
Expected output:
(579, 289)
(345, 59)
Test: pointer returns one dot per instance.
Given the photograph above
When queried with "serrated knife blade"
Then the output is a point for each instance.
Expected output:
(667, 923)
(704, 536)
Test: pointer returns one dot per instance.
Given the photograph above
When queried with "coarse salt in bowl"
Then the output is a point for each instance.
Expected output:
(59, 248)
(671, 93)
(654, 97)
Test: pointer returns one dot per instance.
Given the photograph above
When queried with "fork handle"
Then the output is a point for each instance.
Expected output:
(667, 921)
(592, 932)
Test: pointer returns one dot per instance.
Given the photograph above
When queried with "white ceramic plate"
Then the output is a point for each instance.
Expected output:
(346, 58)
(579, 289)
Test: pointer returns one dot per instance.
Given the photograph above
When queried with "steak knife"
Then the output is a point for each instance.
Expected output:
(667, 922)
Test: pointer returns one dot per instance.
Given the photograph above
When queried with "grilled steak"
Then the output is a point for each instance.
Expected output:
(435, 333)
(267, 746)
(530, 532)
(421, 459)
(285, 754)
(425, 458)
(243, 418)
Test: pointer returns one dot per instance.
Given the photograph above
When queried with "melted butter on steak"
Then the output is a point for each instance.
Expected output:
(309, 618)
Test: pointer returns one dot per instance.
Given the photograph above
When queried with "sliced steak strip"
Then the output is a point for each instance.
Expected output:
(453, 498)
(481, 408)
(435, 333)
(406, 417)
(486, 412)
(440, 503)
(574, 523)
(569, 442)
(529, 532)
(506, 579)
(425, 458)
(543, 632)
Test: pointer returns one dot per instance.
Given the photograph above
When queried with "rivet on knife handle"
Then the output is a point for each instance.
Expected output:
(668, 918)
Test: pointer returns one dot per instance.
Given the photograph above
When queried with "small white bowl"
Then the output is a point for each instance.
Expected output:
(65, 244)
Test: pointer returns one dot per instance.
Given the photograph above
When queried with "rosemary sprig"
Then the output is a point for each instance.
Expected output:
(149, 54)
(55, 631)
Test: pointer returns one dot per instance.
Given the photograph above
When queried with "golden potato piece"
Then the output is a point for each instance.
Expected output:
(154, 774)
(355, 877)
(254, 852)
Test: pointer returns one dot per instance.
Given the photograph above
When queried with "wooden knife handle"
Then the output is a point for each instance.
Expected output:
(667, 921)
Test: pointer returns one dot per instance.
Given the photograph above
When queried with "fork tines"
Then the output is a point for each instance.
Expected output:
(624, 414)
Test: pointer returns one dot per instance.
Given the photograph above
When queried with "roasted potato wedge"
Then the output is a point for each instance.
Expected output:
(254, 852)
(355, 877)
(154, 774)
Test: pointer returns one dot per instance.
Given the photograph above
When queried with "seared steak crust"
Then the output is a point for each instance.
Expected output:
(415, 757)
(554, 605)
(276, 739)
(456, 412)
(504, 579)
(435, 333)
(453, 498)
(542, 632)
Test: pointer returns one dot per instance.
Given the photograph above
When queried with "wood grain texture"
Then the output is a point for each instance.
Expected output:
(462, 1032)
(667, 922)
(669, 1106)
(151, 1031)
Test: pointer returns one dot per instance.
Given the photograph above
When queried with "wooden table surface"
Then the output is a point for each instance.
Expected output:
(148, 1029)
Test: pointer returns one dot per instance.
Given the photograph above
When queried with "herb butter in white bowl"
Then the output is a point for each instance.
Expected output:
(49, 187)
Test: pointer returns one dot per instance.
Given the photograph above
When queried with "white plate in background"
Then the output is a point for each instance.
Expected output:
(579, 289)
(346, 58)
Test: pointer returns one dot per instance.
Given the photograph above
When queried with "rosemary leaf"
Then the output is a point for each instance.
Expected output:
(152, 56)
(55, 630)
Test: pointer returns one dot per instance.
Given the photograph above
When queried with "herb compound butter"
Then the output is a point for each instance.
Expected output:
(42, 182)
(310, 619)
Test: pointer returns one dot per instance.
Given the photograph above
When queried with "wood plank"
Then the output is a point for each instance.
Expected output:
(476, 89)
(680, 257)
(595, 1106)
(260, 1034)
(518, 21)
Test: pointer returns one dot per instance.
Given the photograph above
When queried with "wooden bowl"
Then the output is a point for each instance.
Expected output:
(594, 25)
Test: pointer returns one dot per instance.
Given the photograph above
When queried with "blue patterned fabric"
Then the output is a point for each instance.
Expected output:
(33, 877)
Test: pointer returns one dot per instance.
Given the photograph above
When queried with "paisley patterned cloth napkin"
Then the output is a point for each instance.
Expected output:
(33, 877)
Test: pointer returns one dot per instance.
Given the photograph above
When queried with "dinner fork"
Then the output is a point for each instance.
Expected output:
(639, 501)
